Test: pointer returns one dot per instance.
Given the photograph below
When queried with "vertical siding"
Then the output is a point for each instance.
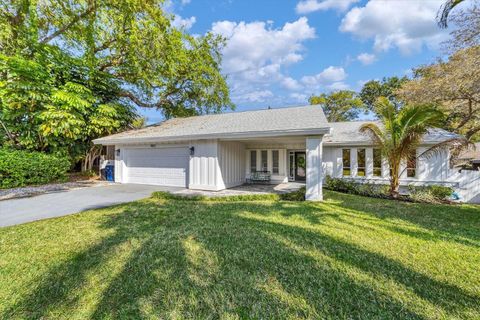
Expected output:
(204, 168)
(231, 159)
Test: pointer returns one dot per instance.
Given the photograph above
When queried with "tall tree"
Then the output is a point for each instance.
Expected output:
(157, 65)
(375, 89)
(401, 133)
(343, 105)
(54, 105)
(454, 85)
(467, 28)
(71, 71)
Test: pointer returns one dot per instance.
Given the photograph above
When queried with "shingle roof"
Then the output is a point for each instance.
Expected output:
(473, 153)
(281, 121)
(285, 120)
(349, 133)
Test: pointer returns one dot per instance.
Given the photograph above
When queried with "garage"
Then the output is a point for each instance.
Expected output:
(157, 166)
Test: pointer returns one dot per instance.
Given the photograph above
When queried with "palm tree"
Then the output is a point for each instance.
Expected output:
(442, 15)
(401, 134)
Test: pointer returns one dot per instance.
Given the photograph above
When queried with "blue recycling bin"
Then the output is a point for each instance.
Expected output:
(110, 173)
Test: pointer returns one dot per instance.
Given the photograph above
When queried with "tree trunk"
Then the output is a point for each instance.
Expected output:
(394, 178)
(90, 157)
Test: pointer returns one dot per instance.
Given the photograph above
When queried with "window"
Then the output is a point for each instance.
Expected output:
(361, 162)
(264, 160)
(292, 165)
(275, 161)
(377, 163)
(253, 160)
(346, 161)
(412, 165)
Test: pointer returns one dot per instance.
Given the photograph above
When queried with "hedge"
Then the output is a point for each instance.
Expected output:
(427, 194)
(20, 168)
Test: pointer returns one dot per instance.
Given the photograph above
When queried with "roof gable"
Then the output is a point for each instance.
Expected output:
(281, 120)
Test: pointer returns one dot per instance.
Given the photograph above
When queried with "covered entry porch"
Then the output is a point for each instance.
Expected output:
(296, 159)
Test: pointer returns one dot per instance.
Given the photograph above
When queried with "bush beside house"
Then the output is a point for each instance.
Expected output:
(426, 194)
(20, 168)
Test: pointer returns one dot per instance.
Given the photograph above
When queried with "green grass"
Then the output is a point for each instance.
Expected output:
(164, 257)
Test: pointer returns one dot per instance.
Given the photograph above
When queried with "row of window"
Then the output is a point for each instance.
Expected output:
(377, 163)
(264, 161)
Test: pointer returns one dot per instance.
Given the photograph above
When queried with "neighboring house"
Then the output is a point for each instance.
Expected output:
(471, 157)
(214, 152)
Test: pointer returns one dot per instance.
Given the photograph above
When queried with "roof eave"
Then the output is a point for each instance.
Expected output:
(225, 136)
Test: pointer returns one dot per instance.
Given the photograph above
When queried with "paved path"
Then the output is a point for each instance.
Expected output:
(56, 204)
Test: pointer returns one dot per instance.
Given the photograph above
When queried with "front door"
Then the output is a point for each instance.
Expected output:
(300, 166)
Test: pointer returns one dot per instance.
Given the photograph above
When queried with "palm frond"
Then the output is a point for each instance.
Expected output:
(455, 145)
(373, 131)
(444, 11)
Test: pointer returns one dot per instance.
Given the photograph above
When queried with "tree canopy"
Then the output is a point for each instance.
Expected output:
(157, 65)
(454, 85)
(343, 105)
(71, 71)
(375, 89)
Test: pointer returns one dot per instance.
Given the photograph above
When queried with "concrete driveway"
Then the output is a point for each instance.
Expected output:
(50, 205)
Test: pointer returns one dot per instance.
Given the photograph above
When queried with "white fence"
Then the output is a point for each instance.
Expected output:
(467, 184)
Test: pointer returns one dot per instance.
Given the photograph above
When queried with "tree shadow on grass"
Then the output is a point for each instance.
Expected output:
(453, 222)
(211, 260)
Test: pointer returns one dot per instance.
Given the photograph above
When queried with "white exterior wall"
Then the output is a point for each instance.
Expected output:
(282, 175)
(431, 169)
(314, 183)
(204, 168)
(119, 165)
(231, 158)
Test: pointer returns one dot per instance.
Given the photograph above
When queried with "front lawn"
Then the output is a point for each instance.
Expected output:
(349, 257)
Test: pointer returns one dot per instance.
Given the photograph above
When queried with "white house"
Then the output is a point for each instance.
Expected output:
(214, 152)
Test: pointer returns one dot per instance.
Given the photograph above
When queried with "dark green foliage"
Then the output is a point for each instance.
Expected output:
(343, 105)
(298, 195)
(430, 194)
(22, 168)
(387, 87)
(425, 194)
(350, 186)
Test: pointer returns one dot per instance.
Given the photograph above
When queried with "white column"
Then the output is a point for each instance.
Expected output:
(314, 169)
(118, 164)
(385, 168)
(369, 162)
(353, 162)
(403, 169)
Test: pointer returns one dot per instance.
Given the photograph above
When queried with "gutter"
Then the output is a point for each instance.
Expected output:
(225, 136)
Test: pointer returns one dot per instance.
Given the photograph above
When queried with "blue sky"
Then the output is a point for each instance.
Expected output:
(281, 52)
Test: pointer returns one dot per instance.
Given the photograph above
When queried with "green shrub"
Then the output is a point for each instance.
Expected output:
(21, 168)
(350, 186)
(298, 195)
(430, 194)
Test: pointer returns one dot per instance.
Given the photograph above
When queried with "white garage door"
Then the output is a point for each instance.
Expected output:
(158, 166)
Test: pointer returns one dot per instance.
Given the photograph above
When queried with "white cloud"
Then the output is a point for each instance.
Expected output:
(325, 78)
(254, 45)
(406, 25)
(366, 58)
(185, 2)
(255, 96)
(257, 54)
(308, 6)
(186, 23)
(291, 84)
(299, 97)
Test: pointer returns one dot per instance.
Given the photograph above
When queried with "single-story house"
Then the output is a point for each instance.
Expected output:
(219, 151)
(471, 156)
